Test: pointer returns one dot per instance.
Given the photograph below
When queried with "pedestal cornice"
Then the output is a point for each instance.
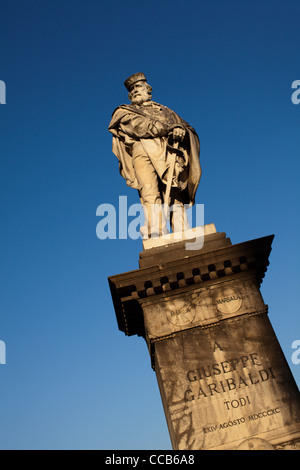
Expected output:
(129, 290)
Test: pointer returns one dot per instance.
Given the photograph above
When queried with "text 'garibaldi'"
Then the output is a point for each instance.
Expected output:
(158, 155)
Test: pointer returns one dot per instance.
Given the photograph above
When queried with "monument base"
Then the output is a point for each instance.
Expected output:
(223, 378)
(189, 236)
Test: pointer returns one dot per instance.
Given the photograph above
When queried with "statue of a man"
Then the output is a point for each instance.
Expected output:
(158, 155)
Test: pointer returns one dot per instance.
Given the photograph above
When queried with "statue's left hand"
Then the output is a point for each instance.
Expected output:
(178, 134)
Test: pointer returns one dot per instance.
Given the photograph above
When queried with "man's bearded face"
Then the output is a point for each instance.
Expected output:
(139, 93)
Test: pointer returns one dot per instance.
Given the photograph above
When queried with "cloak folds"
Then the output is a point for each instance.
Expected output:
(150, 125)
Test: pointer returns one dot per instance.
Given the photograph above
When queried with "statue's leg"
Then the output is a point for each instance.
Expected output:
(178, 216)
(150, 197)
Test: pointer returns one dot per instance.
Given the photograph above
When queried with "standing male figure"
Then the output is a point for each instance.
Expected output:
(146, 137)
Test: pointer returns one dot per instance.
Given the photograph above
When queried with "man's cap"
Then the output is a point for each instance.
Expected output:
(133, 79)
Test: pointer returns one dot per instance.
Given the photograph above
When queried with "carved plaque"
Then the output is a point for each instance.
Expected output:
(180, 312)
(228, 300)
(222, 388)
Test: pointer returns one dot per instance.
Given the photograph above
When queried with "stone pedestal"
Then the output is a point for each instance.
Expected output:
(223, 379)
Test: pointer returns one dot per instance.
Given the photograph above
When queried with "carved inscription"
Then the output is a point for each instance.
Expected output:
(241, 379)
(235, 379)
(180, 313)
(241, 420)
(228, 301)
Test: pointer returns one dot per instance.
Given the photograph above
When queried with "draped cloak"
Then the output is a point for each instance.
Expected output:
(149, 124)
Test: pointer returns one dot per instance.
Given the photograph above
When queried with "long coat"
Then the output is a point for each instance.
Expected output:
(150, 124)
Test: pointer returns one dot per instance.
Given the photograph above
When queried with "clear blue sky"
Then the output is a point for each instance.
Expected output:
(72, 380)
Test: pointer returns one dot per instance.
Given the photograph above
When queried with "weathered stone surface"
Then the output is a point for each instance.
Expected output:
(201, 307)
(224, 381)
(171, 238)
(224, 384)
